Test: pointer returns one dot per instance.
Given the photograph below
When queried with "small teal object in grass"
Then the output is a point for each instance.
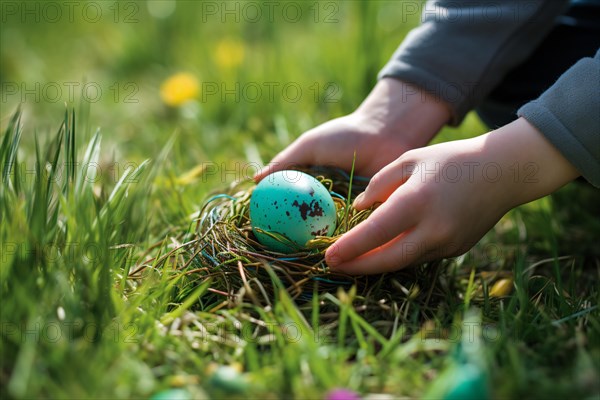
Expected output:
(294, 205)
(468, 383)
(228, 379)
(172, 394)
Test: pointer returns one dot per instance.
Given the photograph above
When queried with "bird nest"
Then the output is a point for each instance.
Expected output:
(221, 248)
(226, 242)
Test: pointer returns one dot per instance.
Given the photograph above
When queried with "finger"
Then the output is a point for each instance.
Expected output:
(393, 217)
(295, 155)
(405, 250)
(384, 183)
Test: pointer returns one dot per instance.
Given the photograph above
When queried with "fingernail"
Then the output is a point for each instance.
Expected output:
(358, 199)
(332, 258)
(333, 262)
(260, 174)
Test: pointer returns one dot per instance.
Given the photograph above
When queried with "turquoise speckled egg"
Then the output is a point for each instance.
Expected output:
(292, 204)
(172, 394)
(227, 379)
(468, 383)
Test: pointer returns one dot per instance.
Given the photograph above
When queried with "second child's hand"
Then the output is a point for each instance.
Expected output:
(394, 118)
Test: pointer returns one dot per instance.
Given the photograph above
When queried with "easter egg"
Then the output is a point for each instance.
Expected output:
(228, 379)
(342, 394)
(294, 205)
(172, 394)
(468, 382)
(501, 288)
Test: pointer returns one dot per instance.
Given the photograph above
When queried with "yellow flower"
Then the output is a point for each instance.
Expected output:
(179, 88)
(229, 53)
(191, 176)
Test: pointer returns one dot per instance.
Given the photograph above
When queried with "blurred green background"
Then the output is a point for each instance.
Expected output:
(265, 71)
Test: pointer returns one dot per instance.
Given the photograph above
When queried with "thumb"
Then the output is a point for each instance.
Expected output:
(295, 155)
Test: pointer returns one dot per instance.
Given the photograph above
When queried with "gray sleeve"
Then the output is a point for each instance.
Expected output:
(463, 48)
(568, 115)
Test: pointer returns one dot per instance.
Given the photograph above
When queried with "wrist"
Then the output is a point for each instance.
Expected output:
(532, 167)
(397, 108)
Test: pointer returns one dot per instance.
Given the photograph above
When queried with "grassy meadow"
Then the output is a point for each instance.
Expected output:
(120, 119)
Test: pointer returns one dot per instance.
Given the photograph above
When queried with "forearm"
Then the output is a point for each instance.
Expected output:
(530, 166)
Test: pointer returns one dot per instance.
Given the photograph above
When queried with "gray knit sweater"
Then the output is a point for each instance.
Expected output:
(463, 49)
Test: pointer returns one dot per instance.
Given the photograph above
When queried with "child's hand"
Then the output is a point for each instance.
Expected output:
(440, 200)
(394, 118)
